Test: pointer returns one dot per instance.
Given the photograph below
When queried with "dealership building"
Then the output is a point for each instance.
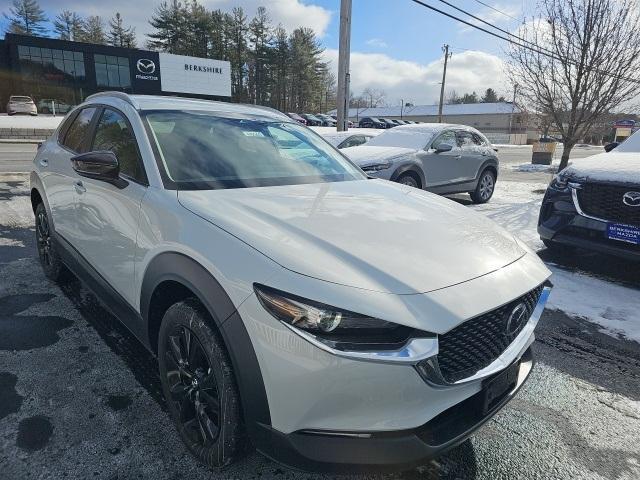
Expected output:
(49, 69)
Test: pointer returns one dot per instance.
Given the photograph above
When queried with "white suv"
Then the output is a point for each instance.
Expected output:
(337, 322)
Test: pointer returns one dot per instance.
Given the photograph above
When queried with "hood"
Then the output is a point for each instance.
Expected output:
(368, 234)
(616, 167)
(364, 155)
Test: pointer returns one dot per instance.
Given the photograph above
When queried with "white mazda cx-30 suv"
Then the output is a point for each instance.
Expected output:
(336, 321)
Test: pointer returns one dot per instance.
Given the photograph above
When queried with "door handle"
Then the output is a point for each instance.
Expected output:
(79, 187)
(44, 162)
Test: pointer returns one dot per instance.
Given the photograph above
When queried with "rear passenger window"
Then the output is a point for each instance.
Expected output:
(466, 139)
(78, 131)
(113, 133)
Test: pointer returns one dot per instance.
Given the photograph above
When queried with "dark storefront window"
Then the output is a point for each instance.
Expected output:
(52, 64)
(112, 71)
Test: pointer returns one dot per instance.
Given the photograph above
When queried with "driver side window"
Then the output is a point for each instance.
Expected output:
(448, 138)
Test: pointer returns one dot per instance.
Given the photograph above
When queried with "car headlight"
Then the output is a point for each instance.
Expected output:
(376, 167)
(337, 328)
(560, 182)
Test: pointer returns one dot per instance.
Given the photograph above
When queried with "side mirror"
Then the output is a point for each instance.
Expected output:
(444, 147)
(610, 146)
(99, 165)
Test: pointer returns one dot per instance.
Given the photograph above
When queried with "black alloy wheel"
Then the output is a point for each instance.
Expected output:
(193, 386)
(199, 385)
(50, 261)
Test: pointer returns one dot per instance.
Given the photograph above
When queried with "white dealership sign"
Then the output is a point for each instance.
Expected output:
(202, 76)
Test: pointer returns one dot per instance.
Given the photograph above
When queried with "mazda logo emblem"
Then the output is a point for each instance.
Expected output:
(516, 319)
(631, 199)
(146, 66)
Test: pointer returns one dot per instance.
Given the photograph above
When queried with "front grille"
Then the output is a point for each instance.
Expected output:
(604, 201)
(476, 343)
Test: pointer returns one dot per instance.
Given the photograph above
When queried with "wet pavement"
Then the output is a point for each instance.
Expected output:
(81, 398)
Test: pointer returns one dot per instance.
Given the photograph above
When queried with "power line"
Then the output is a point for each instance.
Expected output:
(535, 48)
(520, 39)
(496, 10)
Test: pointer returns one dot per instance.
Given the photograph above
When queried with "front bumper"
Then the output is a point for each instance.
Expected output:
(358, 452)
(561, 221)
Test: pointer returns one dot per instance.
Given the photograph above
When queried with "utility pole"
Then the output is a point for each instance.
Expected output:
(343, 65)
(447, 56)
(513, 106)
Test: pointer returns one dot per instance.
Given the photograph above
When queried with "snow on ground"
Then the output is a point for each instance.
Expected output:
(613, 307)
(47, 122)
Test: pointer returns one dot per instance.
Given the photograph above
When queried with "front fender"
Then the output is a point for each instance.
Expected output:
(411, 166)
(180, 268)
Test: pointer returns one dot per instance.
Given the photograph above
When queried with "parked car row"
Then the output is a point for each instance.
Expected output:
(316, 120)
(380, 122)
(292, 302)
(26, 104)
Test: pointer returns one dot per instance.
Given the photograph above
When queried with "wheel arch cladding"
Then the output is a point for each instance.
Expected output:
(36, 199)
(489, 165)
(414, 169)
(172, 276)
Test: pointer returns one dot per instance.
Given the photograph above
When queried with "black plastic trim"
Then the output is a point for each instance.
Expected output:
(111, 299)
(180, 268)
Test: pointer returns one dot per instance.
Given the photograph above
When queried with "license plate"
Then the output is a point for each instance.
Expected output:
(623, 233)
(495, 388)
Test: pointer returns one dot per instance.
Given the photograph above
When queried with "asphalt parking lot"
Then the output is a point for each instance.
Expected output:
(80, 398)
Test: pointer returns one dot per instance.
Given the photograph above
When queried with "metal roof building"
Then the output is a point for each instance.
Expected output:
(492, 119)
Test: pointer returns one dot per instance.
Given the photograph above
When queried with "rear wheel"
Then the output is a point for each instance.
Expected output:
(50, 261)
(199, 385)
(485, 188)
(410, 179)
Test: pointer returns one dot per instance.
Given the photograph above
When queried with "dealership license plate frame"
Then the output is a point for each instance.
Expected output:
(623, 233)
(497, 387)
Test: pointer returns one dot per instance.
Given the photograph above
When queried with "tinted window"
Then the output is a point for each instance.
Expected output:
(448, 138)
(466, 139)
(113, 133)
(353, 141)
(204, 151)
(79, 131)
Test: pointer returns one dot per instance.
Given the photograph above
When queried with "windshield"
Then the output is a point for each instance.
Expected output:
(399, 137)
(202, 150)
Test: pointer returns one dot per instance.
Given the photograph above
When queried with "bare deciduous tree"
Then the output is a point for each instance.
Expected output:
(593, 66)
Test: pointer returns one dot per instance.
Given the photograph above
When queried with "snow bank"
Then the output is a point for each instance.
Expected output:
(532, 167)
(27, 121)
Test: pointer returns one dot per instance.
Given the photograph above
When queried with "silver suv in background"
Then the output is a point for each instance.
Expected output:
(21, 104)
(440, 158)
(290, 299)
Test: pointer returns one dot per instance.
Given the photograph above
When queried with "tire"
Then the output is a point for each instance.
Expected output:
(50, 260)
(485, 187)
(206, 411)
(409, 179)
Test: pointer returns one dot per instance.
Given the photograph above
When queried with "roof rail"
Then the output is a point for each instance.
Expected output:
(120, 95)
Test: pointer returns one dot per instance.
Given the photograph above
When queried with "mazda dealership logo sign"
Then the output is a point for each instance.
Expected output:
(631, 199)
(147, 69)
(146, 66)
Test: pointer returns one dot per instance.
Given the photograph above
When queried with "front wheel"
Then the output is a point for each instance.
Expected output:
(410, 180)
(199, 385)
(485, 188)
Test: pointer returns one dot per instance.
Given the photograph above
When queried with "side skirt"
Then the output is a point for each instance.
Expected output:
(109, 297)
